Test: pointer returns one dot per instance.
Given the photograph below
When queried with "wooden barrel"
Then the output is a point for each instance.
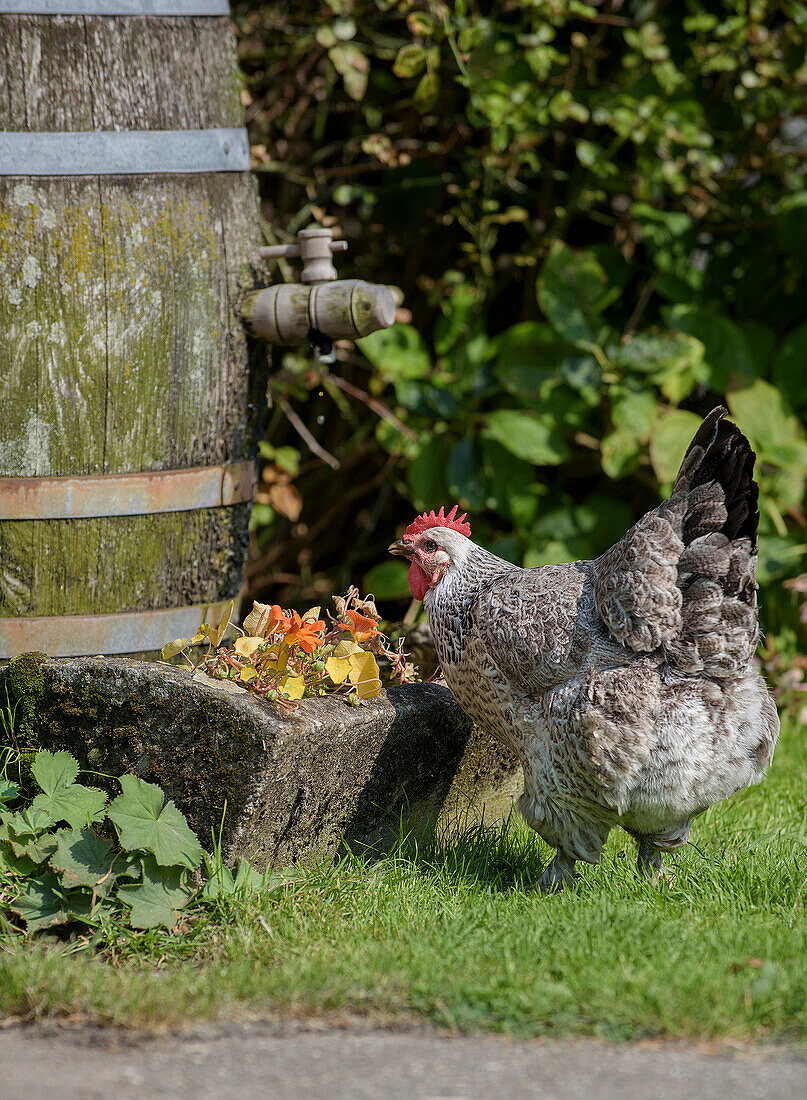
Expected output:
(130, 408)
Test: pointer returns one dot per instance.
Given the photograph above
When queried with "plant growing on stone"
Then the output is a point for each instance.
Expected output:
(283, 656)
(71, 858)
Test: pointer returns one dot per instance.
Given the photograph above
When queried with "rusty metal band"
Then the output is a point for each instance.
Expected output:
(114, 7)
(135, 494)
(123, 152)
(122, 632)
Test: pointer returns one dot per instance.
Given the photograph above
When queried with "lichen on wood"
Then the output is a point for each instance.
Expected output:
(118, 329)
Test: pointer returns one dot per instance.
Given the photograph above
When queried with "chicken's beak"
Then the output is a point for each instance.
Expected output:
(401, 549)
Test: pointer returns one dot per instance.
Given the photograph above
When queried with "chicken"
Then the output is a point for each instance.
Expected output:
(624, 685)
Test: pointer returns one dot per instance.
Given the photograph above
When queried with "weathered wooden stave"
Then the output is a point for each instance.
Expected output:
(137, 362)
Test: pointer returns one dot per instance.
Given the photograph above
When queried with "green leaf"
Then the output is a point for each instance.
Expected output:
(387, 581)
(144, 822)
(528, 354)
(425, 474)
(788, 367)
(526, 437)
(620, 451)
(75, 804)
(669, 441)
(572, 290)
(409, 61)
(54, 770)
(353, 66)
(634, 412)
(63, 799)
(42, 903)
(426, 93)
(85, 860)
(397, 352)
(8, 790)
(465, 476)
(727, 350)
(762, 411)
(156, 901)
(660, 354)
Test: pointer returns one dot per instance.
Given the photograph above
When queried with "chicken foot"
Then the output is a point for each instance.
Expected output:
(558, 874)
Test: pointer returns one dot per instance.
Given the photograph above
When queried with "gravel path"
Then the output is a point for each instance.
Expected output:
(329, 1063)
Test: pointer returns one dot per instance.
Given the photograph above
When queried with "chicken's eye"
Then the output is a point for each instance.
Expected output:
(429, 545)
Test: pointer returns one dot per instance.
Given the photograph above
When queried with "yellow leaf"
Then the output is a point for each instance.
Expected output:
(248, 673)
(294, 687)
(364, 674)
(201, 634)
(368, 689)
(362, 667)
(247, 645)
(218, 633)
(338, 668)
(312, 615)
(344, 649)
(258, 617)
(172, 648)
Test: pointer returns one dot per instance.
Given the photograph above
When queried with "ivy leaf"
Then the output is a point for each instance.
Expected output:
(156, 900)
(669, 441)
(85, 860)
(42, 903)
(144, 822)
(527, 437)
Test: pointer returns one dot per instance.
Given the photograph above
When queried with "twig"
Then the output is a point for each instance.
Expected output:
(641, 305)
(306, 436)
(371, 402)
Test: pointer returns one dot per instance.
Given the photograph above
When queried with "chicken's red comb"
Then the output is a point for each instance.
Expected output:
(429, 519)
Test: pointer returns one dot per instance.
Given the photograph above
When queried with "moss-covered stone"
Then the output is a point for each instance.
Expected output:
(294, 785)
(26, 683)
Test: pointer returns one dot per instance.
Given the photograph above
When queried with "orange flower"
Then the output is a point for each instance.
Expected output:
(279, 623)
(307, 635)
(362, 627)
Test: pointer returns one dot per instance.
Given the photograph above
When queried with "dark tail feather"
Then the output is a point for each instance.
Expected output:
(720, 452)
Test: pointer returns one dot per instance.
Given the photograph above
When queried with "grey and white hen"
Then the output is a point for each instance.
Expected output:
(625, 684)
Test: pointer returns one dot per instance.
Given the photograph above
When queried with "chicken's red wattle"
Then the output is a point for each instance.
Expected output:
(418, 581)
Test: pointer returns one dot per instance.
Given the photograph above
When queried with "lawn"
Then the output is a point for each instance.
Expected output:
(450, 932)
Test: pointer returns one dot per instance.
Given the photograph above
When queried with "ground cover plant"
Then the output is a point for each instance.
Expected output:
(446, 930)
(72, 860)
(282, 656)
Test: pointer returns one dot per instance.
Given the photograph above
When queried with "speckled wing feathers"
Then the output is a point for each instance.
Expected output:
(683, 578)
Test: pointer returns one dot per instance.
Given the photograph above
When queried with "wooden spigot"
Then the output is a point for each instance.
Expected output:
(316, 247)
(320, 308)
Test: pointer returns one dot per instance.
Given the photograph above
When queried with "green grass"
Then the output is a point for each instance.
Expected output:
(450, 933)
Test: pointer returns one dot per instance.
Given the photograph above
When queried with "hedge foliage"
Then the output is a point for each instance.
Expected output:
(597, 214)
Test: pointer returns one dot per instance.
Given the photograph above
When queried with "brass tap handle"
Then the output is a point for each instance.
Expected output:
(316, 247)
